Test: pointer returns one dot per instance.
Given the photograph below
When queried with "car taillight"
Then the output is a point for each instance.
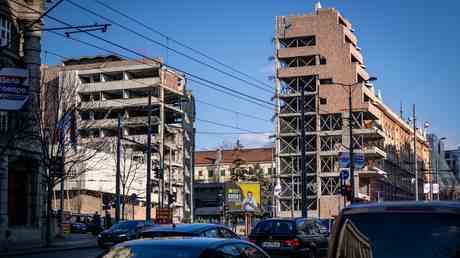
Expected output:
(295, 243)
(252, 240)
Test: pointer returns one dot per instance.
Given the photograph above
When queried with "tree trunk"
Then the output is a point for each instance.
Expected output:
(49, 210)
(123, 208)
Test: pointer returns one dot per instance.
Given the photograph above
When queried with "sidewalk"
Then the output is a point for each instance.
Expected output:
(70, 242)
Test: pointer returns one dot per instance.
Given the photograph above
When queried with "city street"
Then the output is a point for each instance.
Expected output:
(79, 253)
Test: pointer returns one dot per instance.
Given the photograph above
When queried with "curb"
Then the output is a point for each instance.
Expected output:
(47, 250)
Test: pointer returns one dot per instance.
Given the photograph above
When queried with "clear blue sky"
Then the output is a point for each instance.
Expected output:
(411, 46)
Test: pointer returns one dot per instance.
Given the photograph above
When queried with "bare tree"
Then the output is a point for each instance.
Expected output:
(130, 166)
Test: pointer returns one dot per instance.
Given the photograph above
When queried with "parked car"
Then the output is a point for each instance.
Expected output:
(196, 230)
(291, 237)
(121, 231)
(78, 227)
(397, 229)
(186, 248)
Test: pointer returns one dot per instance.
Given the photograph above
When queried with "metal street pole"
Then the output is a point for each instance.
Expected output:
(118, 172)
(415, 152)
(148, 207)
(303, 175)
(352, 163)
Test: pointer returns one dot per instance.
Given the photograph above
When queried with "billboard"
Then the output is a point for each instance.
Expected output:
(243, 197)
(14, 88)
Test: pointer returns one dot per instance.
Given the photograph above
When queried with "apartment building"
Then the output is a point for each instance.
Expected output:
(106, 88)
(315, 53)
(453, 159)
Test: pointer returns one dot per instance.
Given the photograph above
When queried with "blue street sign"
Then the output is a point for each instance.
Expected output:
(344, 174)
(344, 159)
(359, 160)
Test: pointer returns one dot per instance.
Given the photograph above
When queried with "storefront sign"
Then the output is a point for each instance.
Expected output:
(14, 88)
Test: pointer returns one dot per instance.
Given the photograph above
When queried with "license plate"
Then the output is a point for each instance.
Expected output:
(271, 244)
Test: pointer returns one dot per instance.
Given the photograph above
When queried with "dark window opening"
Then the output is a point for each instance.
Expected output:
(323, 101)
(110, 132)
(322, 60)
(298, 42)
(96, 78)
(98, 115)
(83, 134)
(348, 40)
(298, 61)
(85, 116)
(96, 96)
(354, 59)
(113, 95)
(118, 76)
(366, 98)
(326, 81)
(360, 79)
(342, 22)
(85, 97)
(137, 130)
(85, 79)
(140, 74)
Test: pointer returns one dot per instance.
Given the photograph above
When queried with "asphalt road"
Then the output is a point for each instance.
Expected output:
(80, 253)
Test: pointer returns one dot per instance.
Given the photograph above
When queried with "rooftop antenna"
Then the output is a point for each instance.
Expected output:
(317, 6)
(401, 111)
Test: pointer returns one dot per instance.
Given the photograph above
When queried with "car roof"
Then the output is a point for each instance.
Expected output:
(190, 243)
(429, 206)
(288, 219)
(192, 228)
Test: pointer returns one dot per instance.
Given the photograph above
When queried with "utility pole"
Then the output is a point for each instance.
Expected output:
(350, 127)
(303, 176)
(118, 172)
(415, 152)
(148, 208)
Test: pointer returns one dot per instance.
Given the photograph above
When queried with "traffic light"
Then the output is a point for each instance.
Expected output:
(348, 193)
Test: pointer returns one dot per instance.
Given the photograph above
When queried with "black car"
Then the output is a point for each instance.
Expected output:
(78, 227)
(122, 231)
(291, 237)
(397, 229)
(186, 248)
(191, 230)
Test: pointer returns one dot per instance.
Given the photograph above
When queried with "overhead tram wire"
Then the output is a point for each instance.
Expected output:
(144, 56)
(196, 51)
(231, 133)
(228, 92)
(232, 111)
(204, 102)
(170, 48)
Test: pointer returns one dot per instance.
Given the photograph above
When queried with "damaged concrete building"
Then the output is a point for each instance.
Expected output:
(108, 87)
(315, 53)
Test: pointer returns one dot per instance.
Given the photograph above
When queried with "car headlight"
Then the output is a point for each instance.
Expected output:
(123, 235)
(99, 236)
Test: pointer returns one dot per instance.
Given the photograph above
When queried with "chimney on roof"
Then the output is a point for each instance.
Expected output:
(317, 6)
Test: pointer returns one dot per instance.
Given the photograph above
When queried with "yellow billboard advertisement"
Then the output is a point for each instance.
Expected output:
(251, 196)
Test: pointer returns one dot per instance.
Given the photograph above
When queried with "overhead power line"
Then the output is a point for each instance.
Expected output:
(196, 51)
(143, 56)
(232, 111)
(204, 102)
(169, 48)
(231, 133)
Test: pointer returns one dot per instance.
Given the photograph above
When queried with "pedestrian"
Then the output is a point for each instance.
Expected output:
(108, 219)
(96, 223)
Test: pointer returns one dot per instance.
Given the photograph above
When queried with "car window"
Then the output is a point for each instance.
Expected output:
(264, 227)
(225, 233)
(283, 227)
(227, 251)
(211, 233)
(251, 251)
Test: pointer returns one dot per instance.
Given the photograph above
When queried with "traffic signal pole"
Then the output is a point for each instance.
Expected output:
(118, 172)
(352, 163)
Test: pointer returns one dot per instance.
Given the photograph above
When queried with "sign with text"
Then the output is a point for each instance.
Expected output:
(14, 88)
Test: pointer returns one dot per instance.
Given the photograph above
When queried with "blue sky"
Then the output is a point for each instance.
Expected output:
(411, 46)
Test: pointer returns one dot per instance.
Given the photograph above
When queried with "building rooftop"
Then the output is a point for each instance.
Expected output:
(228, 156)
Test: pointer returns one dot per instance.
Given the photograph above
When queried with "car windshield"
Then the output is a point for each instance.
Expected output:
(403, 235)
(127, 225)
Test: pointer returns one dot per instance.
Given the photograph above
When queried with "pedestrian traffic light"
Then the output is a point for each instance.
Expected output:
(348, 193)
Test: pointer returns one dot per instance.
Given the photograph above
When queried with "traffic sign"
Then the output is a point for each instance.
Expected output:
(14, 88)
(358, 158)
(344, 174)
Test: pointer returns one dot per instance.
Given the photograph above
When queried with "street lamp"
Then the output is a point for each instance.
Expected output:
(350, 121)
(437, 162)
